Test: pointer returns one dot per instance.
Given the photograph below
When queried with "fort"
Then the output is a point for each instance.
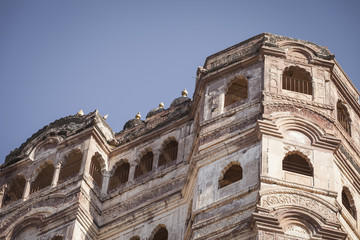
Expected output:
(268, 147)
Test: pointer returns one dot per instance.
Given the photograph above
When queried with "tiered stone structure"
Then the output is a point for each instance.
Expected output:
(267, 148)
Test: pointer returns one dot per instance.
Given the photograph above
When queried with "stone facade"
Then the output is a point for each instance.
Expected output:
(267, 148)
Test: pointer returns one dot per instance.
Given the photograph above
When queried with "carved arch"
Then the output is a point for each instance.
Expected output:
(145, 163)
(97, 165)
(296, 161)
(296, 46)
(159, 233)
(343, 116)
(297, 79)
(43, 145)
(119, 174)
(316, 135)
(236, 90)
(35, 217)
(71, 164)
(15, 189)
(40, 168)
(232, 173)
(168, 151)
(347, 201)
(57, 237)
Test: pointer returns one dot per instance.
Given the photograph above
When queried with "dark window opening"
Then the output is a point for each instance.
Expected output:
(16, 190)
(169, 153)
(347, 202)
(120, 176)
(297, 79)
(233, 174)
(145, 165)
(344, 117)
(297, 164)
(71, 166)
(95, 171)
(237, 91)
(43, 179)
(161, 234)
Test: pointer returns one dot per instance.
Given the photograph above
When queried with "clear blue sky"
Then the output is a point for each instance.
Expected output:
(124, 57)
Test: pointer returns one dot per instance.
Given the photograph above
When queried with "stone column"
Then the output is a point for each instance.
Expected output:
(221, 102)
(87, 155)
(132, 172)
(105, 183)
(26, 189)
(156, 160)
(56, 175)
(2, 194)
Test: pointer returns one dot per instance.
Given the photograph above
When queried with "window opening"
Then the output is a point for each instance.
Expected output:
(161, 234)
(95, 170)
(343, 117)
(237, 91)
(71, 166)
(347, 201)
(297, 164)
(169, 153)
(233, 174)
(145, 165)
(120, 176)
(43, 179)
(16, 190)
(297, 79)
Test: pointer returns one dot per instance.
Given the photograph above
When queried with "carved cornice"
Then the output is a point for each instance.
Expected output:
(283, 183)
(299, 102)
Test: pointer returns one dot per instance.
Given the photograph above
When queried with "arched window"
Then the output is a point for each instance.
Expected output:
(95, 170)
(169, 153)
(27, 231)
(15, 190)
(233, 174)
(44, 178)
(135, 238)
(71, 166)
(57, 238)
(348, 202)
(145, 165)
(297, 79)
(297, 164)
(121, 176)
(237, 91)
(161, 234)
(343, 117)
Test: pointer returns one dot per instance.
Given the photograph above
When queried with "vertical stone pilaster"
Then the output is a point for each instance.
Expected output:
(2, 193)
(132, 172)
(221, 102)
(87, 155)
(26, 189)
(105, 183)
(56, 175)
(156, 159)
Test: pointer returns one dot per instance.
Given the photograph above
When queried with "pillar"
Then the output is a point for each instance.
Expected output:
(56, 175)
(105, 183)
(26, 189)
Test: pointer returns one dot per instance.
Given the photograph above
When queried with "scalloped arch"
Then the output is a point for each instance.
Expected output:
(43, 143)
(117, 164)
(156, 229)
(40, 168)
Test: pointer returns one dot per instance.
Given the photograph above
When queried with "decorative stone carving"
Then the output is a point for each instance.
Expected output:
(291, 199)
(290, 148)
(297, 231)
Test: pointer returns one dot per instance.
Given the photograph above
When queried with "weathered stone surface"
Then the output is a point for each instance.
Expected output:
(274, 162)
